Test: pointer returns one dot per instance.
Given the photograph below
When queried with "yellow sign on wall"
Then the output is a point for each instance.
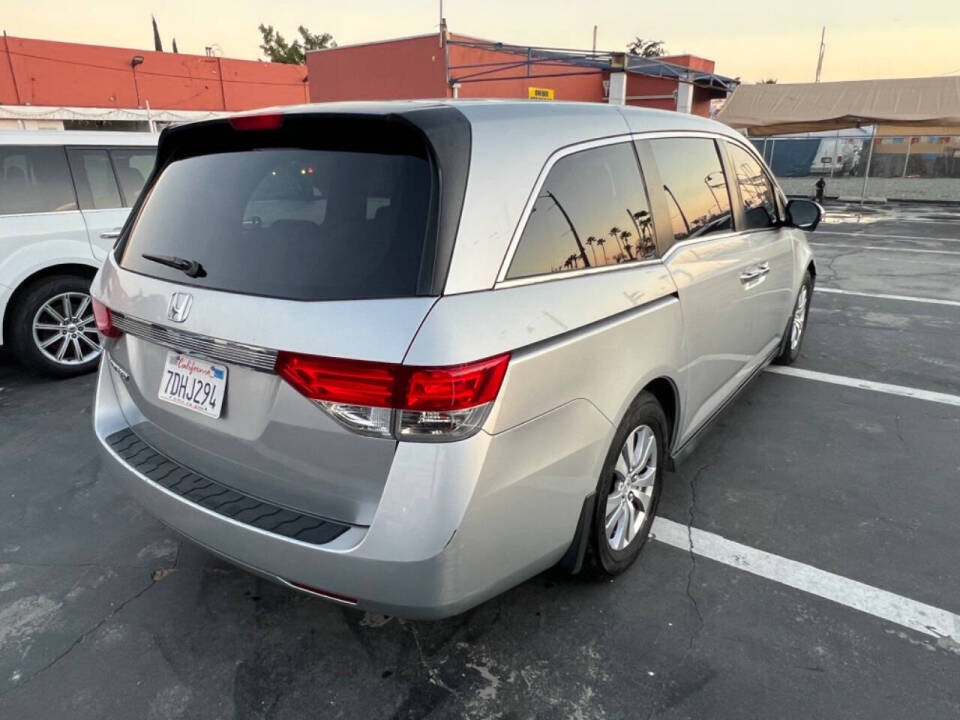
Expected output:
(535, 93)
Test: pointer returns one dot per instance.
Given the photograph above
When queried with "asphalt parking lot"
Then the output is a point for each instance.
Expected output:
(838, 486)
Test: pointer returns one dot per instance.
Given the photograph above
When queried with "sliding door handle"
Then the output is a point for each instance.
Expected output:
(755, 272)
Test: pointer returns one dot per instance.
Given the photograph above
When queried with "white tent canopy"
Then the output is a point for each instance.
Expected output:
(777, 109)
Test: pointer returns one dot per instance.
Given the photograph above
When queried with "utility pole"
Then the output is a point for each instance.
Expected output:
(823, 47)
(594, 39)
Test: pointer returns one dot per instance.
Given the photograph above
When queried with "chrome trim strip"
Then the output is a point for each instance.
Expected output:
(550, 277)
(209, 348)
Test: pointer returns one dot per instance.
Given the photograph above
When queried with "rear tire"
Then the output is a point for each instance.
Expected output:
(52, 331)
(796, 324)
(629, 488)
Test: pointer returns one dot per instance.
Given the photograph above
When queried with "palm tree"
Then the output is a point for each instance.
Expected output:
(590, 241)
(625, 237)
(645, 222)
(601, 242)
(573, 230)
(615, 234)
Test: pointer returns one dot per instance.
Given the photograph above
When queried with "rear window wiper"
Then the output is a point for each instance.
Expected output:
(190, 268)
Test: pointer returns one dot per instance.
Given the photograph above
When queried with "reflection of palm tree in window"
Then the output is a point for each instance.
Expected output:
(614, 232)
(602, 243)
(644, 224)
(678, 236)
(576, 237)
(625, 237)
(590, 241)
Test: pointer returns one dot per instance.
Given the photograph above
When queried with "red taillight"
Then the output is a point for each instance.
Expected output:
(269, 121)
(105, 326)
(391, 400)
(389, 385)
(337, 380)
(454, 388)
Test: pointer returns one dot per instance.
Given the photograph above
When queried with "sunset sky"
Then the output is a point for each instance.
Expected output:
(879, 38)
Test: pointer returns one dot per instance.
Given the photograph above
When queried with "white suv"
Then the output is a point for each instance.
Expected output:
(63, 198)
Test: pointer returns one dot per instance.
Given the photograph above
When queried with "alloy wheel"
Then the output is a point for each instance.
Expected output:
(65, 330)
(630, 502)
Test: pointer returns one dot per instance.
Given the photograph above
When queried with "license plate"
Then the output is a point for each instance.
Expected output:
(193, 384)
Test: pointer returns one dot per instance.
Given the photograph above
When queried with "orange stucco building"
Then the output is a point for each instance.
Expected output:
(431, 66)
(44, 80)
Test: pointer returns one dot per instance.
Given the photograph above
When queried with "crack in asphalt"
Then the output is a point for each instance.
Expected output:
(691, 515)
(688, 588)
(83, 636)
(432, 674)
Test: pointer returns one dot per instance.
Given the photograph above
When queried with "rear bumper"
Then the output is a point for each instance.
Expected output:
(457, 523)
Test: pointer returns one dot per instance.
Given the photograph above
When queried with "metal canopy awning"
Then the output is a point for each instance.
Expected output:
(779, 109)
(653, 67)
(558, 62)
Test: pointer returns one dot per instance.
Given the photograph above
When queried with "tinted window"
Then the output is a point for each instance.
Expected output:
(35, 179)
(694, 184)
(591, 211)
(292, 223)
(96, 183)
(133, 166)
(756, 190)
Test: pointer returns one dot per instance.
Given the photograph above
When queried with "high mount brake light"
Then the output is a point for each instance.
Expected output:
(104, 320)
(391, 400)
(268, 121)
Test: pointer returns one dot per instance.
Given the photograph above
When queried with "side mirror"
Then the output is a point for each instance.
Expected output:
(804, 214)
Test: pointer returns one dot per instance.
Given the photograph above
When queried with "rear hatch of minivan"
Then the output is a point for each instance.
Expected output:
(260, 244)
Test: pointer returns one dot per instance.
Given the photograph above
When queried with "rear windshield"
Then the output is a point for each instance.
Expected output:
(304, 224)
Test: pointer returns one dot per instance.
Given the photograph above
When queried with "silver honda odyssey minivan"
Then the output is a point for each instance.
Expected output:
(405, 355)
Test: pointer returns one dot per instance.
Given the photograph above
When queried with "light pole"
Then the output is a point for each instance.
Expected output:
(136, 60)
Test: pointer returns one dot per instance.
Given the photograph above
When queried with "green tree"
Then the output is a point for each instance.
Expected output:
(276, 47)
(646, 48)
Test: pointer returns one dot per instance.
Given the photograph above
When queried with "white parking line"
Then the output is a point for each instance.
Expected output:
(912, 614)
(865, 234)
(902, 390)
(882, 296)
(890, 249)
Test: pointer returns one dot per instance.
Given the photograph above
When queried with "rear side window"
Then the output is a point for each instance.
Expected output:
(305, 224)
(756, 190)
(35, 180)
(591, 211)
(694, 184)
(96, 183)
(133, 167)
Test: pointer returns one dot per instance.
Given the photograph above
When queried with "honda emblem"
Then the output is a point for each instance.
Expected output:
(179, 306)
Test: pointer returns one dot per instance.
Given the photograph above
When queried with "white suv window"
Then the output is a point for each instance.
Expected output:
(35, 180)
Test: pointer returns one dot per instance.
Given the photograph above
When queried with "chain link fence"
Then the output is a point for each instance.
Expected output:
(900, 167)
